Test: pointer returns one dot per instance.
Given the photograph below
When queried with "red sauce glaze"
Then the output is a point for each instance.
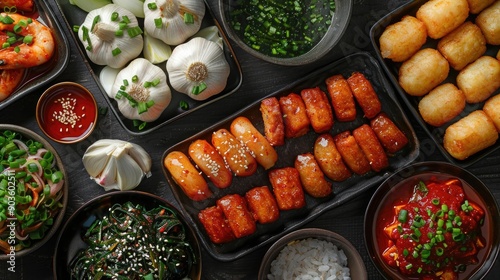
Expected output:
(68, 114)
(439, 235)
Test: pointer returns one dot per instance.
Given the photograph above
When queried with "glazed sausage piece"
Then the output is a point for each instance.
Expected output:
(235, 154)
(371, 147)
(238, 216)
(262, 204)
(294, 115)
(274, 128)
(470, 135)
(312, 178)
(390, 136)
(187, 176)
(352, 154)
(329, 158)
(341, 97)
(287, 188)
(216, 225)
(364, 94)
(211, 163)
(264, 153)
(318, 109)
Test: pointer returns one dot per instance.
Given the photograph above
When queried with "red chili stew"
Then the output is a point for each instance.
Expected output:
(435, 233)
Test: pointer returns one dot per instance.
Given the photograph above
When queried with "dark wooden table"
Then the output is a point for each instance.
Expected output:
(259, 79)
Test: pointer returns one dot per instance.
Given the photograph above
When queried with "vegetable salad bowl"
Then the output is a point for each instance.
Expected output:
(34, 188)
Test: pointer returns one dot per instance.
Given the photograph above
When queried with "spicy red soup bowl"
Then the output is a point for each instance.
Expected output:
(66, 112)
(431, 220)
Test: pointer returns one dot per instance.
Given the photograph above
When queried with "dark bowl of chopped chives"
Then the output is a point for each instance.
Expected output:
(432, 218)
(286, 32)
(127, 235)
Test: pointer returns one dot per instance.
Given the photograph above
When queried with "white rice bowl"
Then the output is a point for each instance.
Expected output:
(312, 259)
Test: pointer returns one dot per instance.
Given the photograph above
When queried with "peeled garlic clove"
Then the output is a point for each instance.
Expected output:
(116, 164)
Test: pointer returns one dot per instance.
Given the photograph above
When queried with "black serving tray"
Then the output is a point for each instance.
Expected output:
(392, 69)
(75, 16)
(36, 77)
(343, 191)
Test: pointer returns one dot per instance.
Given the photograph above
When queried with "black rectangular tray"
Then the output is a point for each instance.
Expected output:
(392, 70)
(75, 16)
(343, 191)
(36, 77)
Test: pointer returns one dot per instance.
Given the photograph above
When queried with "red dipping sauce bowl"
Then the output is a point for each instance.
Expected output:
(399, 188)
(66, 112)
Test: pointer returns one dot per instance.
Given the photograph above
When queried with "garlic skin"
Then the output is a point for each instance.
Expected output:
(198, 68)
(155, 50)
(180, 19)
(117, 164)
(158, 93)
(98, 34)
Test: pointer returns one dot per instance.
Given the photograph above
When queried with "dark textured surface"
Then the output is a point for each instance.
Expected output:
(259, 79)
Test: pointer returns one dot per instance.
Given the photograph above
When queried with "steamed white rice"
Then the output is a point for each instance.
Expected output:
(310, 259)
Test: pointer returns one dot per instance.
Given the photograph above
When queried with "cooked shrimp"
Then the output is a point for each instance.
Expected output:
(20, 5)
(32, 45)
(9, 80)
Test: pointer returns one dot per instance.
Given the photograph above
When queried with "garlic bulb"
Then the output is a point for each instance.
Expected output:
(141, 91)
(173, 21)
(198, 68)
(117, 164)
(111, 36)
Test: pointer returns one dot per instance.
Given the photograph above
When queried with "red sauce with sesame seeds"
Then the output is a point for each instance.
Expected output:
(433, 230)
(68, 113)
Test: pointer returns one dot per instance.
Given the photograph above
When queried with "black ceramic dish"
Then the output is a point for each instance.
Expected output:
(343, 191)
(75, 16)
(70, 241)
(392, 69)
(39, 76)
(29, 134)
(474, 189)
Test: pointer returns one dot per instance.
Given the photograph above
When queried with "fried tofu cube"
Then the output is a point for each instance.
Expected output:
(294, 115)
(240, 219)
(274, 128)
(318, 109)
(262, 204)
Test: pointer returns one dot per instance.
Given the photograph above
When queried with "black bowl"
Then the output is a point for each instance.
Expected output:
(407, 177)
(70, 240)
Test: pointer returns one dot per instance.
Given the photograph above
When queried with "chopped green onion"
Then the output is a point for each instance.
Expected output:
(116, 51)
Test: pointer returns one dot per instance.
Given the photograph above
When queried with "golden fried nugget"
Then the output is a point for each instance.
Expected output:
(287, 188)
(241, 221)
(329, 158)
(492, 109)
(264, 153)
(235, 154)
(463, 45)
(423, 71)
(352, 154)
(371, 147)
(480, 79)
(442, 104)
(489, 22)
(318, 109)
(187, 176)
(210, 163)
(262, 204)
(312, 178)
(341, 97)
(274, 128)
(390, 136)
(476, 6)
(364, 94)
(216, 225)
(402, 39)
(442, 16)
(470, 135)
(294, 115)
